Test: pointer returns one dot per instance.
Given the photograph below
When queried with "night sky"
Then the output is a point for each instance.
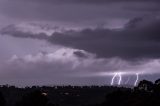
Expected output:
(79, 42)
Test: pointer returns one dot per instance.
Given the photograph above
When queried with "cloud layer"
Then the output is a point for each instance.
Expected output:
(71, 66)
(76, 41)
(139, 39)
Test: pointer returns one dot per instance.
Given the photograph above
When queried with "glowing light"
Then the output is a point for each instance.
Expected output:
(112, 81)
(120, 78)
(137, 78)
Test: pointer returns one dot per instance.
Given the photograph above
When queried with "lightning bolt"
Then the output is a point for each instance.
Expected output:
(137, 78)
(112, 81)
(120, 78)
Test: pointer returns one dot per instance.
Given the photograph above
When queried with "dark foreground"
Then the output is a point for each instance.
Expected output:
(145, 94)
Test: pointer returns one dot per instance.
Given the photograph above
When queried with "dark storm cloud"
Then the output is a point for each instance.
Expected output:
(49, 42)
(12, 30)
(90, 1)
(140, 38)
(80, 54)
(77, 11)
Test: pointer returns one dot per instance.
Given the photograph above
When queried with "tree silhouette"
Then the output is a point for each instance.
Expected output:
(145, 94)
(117, 98)
(157, 82)
(145, 85)
(2, 100)
(36, 98)
(157, 87)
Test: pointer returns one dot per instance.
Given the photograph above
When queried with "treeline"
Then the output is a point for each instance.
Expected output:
(54, 96)
(145, 94)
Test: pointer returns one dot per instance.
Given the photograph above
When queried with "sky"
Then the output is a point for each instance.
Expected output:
(79, 42)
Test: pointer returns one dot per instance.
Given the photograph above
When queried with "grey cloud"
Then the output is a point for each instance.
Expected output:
(137, 40)
(79, 12)
(12, 30)
(49, 65)
(98, 51)
(89, 1)
(46, 69)
(80, 54)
